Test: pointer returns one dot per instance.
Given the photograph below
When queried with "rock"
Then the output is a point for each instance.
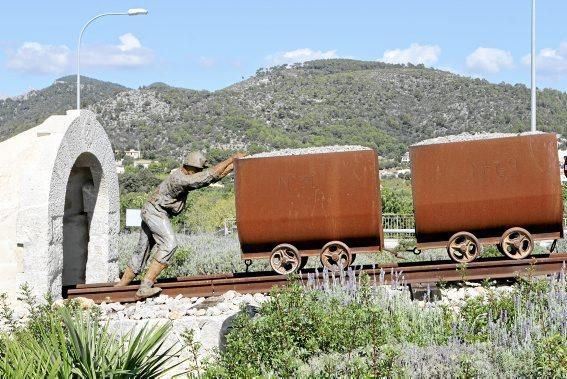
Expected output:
(194, 299)
(161, 299)
(469, 137)
(179, 307)
(306, 150)
(179, 297)
(116, 307)
(191, 312)
(200, 312)
(210, 334)
(224, 307)
(199, 300)
(84, 303)
(237, 300)
(145, 312)
(452, 294)
(175, 315)
(473, 284)
(213, 311)
(207, 303)
(230, 295)
(249, 299)
(129, 311)
(170, 301)
(147, 301)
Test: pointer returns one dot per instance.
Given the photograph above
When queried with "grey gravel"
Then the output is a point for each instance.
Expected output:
(307, 150)
(470, 137)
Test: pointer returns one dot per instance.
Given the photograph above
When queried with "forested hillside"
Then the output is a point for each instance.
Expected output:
(23, 112)
(317, 103)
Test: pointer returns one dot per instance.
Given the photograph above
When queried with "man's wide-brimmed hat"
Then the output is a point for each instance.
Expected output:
(196, 159)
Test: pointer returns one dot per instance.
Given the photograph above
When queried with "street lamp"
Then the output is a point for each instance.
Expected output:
(533, 60)
(131, 12)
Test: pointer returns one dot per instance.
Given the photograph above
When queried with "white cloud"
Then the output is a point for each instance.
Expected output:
(35, 58)
(300, 56)
(129, 42)
(550, 61)
(207, 62)
(128, 54)
(415, 53)
(489, 60)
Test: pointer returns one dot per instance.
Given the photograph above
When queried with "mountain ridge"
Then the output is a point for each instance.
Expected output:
(320, 102)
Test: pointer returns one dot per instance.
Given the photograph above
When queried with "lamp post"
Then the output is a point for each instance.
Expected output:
(533, 123)
(131, 12)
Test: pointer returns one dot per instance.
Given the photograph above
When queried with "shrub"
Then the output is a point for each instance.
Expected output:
(67, 342)
(347, 326)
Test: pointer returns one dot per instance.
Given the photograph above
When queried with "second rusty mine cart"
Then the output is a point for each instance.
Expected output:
(502, 191)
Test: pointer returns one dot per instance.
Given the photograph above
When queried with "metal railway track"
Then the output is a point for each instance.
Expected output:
(255, 282)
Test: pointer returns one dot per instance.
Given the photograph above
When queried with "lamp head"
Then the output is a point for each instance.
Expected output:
(137, 11)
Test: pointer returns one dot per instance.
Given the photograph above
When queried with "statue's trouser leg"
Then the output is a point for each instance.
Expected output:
(145, 243)
(162, 233)
(164, 236)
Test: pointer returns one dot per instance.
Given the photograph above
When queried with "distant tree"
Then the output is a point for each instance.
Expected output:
(127, 161)
(138, 180)
(396, 197)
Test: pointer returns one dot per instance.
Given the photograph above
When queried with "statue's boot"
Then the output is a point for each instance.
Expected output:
(146, 288)
(126, 278)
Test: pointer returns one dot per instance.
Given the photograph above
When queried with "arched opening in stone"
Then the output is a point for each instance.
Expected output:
(80, 203)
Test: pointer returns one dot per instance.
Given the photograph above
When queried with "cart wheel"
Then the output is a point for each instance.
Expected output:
(463, 247)
(517, 243)
(285, 259)
(336, 256)
(303, 263)
(499, 247)
(553, 246)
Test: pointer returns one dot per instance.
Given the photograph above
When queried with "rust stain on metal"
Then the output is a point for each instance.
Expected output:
(486, 187)
(307, 201)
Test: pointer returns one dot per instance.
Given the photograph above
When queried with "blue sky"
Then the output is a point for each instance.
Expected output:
(212, 44)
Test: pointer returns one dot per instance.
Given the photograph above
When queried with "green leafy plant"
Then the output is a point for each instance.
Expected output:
(188, 337)
(360, 330)
(67, 342)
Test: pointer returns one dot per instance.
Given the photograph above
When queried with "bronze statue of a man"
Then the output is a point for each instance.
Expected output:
(168, 200)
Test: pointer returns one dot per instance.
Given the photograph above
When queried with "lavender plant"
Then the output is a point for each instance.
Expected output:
(345, 325)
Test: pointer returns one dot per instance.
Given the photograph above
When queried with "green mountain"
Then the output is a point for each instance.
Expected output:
(316, 103)
(29, 110)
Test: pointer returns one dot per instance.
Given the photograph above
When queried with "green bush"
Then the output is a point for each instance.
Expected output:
(360, 330)
(67, 342)
(396, 196)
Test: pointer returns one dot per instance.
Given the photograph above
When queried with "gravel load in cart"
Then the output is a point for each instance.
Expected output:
(296, 203)
(470, 191)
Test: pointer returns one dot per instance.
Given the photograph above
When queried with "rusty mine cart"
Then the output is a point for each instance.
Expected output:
(295, 206)
(500, 191)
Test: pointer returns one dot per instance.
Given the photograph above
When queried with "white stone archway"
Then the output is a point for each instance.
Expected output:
(40, 164)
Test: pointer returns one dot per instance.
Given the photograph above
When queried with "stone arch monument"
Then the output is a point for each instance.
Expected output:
(59, 206)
